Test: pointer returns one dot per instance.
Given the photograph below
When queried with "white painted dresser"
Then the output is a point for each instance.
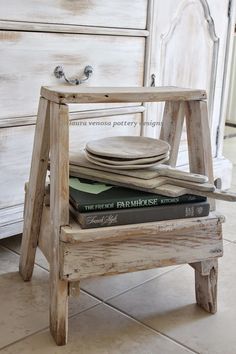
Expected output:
(182, 42)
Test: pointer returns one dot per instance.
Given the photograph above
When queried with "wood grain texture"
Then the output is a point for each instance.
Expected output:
(167, 187)
(11, 220)
(59, 215)
(113, 163)
(117, 179)
(204, 267)
(34, 200)
(204, 23)
(15, 158)
(44, 51)
(71, 94)
(127, 147)
(44, 242)
(137, 183)
(72, 29)
(74, 289)
(171, 130)
(206, 286)
(166, 43)
(123, 249)
(148, 52)
(89, 114)
(79, 159)
(74, 234)
(107, 112)
(104, 13)
(217, 194)
(199, 140)
(16, 151)
(171, 191)
(89, 129)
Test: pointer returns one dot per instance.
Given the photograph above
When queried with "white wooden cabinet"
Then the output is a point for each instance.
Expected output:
(231, 111)
(190, 50)
(182, 42)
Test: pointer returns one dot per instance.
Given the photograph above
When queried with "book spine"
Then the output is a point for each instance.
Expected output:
(131, 216)
(138, 202)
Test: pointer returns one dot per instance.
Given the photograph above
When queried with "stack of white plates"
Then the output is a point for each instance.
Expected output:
(127, 152)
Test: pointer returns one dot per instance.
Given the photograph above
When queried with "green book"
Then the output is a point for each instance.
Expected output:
(89, 196)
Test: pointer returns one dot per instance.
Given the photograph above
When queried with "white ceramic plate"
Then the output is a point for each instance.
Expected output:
(128, 147)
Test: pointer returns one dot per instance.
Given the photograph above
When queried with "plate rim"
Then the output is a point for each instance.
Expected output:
(127, 162)
(108, 154)
(127, 167)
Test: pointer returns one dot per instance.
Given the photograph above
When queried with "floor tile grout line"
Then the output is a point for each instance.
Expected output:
(47, 327)
(132, 288)
(9, 249)
(104, 301)
(152, 329)
(143, 324)
(230, 241)
(86, 292)
(95, 296)
(114, 309)
(107, 304)
(18, 254)
(146, 281)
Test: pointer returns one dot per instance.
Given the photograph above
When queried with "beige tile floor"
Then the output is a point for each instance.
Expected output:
(146, 312)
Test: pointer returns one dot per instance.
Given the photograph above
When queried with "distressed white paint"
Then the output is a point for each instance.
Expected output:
(189, 50)
(105, 13)
(29, 59)
(16, 149)
(231, 112)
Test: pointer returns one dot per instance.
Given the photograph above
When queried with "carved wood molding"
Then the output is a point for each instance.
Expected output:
(212, 40)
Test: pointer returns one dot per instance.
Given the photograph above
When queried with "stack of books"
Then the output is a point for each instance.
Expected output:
(94, 204)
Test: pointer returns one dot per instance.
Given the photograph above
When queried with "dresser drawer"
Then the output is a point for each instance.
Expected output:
(16, 149)
(105, 13)
(28, 60)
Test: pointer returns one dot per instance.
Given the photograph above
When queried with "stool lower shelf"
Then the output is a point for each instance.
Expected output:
(128, 248)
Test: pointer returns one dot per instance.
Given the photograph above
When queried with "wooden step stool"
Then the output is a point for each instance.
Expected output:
(75, 254)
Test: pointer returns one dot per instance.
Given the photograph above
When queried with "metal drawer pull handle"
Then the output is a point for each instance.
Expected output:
(59, 73)
(153, 80)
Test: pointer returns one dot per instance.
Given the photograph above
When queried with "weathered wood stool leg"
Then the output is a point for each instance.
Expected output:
(206, 274)
(172, 125)
(35, 195)
(59, 214)
(200, 161)
(199, 140)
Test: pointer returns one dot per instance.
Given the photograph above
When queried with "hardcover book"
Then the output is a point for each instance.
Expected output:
(140, 215)
(89, 196)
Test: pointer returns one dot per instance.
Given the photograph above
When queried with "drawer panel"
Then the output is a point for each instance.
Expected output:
(105, 13)
(28, 60)
(16, 148)
(15, 156)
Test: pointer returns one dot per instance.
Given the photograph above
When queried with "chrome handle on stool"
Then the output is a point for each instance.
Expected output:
(59, 73)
